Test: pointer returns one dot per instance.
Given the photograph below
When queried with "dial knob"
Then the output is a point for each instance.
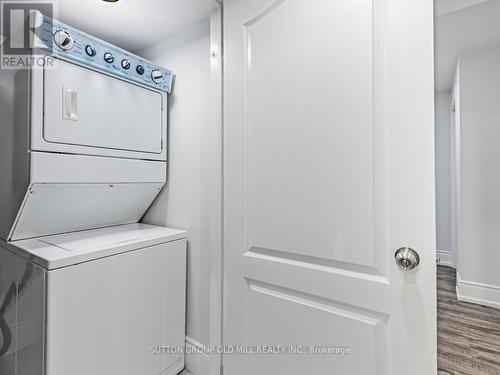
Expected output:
(157, 76)
(140, 70)
(108, 57)
(63, 40)
(125, 64)
(90, 50)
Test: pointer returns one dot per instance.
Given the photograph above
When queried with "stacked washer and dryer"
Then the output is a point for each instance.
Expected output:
(85, 288)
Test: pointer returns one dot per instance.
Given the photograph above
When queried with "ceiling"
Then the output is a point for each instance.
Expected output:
(447, 6)
(133, 24)
(460, 26)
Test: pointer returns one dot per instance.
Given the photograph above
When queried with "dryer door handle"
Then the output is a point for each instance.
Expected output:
(70, 103)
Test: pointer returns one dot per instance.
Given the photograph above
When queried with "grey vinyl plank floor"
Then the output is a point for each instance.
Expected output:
(468, 334)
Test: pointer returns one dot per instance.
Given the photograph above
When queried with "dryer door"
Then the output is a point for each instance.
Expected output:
(92, 113)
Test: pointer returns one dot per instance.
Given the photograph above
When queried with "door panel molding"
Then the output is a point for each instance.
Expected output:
(318, 264)
(368, 325)
(376, 227)
(350, 311)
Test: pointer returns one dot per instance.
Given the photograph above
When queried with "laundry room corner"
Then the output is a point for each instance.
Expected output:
(193, 201)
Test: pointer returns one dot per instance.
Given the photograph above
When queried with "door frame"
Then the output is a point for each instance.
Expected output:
(216, 256)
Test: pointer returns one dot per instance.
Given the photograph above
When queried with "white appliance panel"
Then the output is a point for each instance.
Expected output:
(47, 167)
(63, 250)
(59, 208)
(106, 322)
(85, 108)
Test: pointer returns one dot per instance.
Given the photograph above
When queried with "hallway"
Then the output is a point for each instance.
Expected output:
(468, 334)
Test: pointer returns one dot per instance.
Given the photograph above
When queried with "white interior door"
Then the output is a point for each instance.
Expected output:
(329, 169)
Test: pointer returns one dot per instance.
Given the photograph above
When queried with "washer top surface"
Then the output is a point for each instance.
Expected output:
(68, 249)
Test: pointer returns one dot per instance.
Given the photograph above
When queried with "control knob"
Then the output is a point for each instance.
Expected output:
(125, 64)
(140, 70)
(63, 40)
(157, 76)
(108, 57)
(90, 50)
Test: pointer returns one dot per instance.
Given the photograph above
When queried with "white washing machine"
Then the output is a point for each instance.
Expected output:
(84, 288)
(93, 302)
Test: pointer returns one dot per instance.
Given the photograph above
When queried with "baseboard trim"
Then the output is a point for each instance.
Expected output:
(197, 361)
(175, 368)
(482, 294)
(445, 258)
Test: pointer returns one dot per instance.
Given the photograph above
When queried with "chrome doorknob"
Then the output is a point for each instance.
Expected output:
(407, 258)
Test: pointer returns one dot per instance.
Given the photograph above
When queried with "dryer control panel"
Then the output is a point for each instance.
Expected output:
(67, 43)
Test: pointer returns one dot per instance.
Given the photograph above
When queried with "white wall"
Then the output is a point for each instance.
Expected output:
(190, 199)
(479, 222)
(448, 6)
(443, 175)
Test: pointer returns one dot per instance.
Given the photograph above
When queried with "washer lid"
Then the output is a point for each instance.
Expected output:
(64, 250)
